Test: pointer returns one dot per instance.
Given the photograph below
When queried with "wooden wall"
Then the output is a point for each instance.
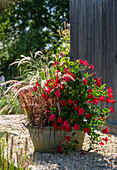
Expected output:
(94, 38)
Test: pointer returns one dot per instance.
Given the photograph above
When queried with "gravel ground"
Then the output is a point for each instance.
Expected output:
(100, 158)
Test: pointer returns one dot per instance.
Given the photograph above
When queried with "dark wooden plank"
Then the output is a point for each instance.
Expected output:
(94, 37)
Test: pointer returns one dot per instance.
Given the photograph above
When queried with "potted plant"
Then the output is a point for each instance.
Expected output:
(65, 106)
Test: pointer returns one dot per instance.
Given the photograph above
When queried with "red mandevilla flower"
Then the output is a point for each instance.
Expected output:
(95, 101)
(89, 91)
(105, 139)
(66, 123)
(68, 129)
(98, 82)
(45, 96)
(107, 100)
(109, 90)
(57, 93)
(111, 109)
(101, 143)
(37, 83)
(105, 130)
(77, 107)
(68, 138)
(63, 103)
(81, 111)
(88, 115)
(81, 61)
(55, 125)
(59, 148)
(112, 101)
(110, 95)
(101, 98)
(67, 79)
(55, 63)
(86, 130)
(70, 102)
(86, 63)
(85, 81)
(92, 66)
(60, 120)
(90, 96)
(75, 101)
(52, 117)
(34, 88)
(76, 127)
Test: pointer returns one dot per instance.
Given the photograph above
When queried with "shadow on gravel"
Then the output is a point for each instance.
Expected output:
(75, 161)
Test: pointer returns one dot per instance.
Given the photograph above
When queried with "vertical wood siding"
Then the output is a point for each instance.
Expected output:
(94, 38)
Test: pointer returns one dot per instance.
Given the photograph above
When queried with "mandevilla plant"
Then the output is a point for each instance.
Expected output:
(77, 97)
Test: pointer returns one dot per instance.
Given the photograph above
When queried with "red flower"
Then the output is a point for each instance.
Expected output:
(67, 79)
(68, 129)
(89, 91)
(90, 96)
(63, 128)
(101, 143)
(66, 70)
(112, 101)
(86, 63)
(77, 107)
(101, 98)
(88, 115)
(93, 74)
(109, 90)
(60, 120)
(55, 125)
(110, 95)
(66, 123)
(81, 61)
(55, 63)
(59, 148)
(48, 90)
(61, 87)
(68, 138)
(55, 84)
(70, 102)
(57, 80)
(45, 96)
(105, 130)
(57, 93)
(37, 83)
(98, 82)
(105, 139)
(81, 111)
(86, 130)
(34, 88)
(95, 101)
(89, 102)
(92, 66)
(52, 117)
(75, 101)
(63, 103)
(76, 127)
(85, 81)
(107, 100)
(111, 109)
(71, 120)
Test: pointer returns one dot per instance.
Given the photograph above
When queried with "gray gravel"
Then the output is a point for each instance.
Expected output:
(100, 158)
